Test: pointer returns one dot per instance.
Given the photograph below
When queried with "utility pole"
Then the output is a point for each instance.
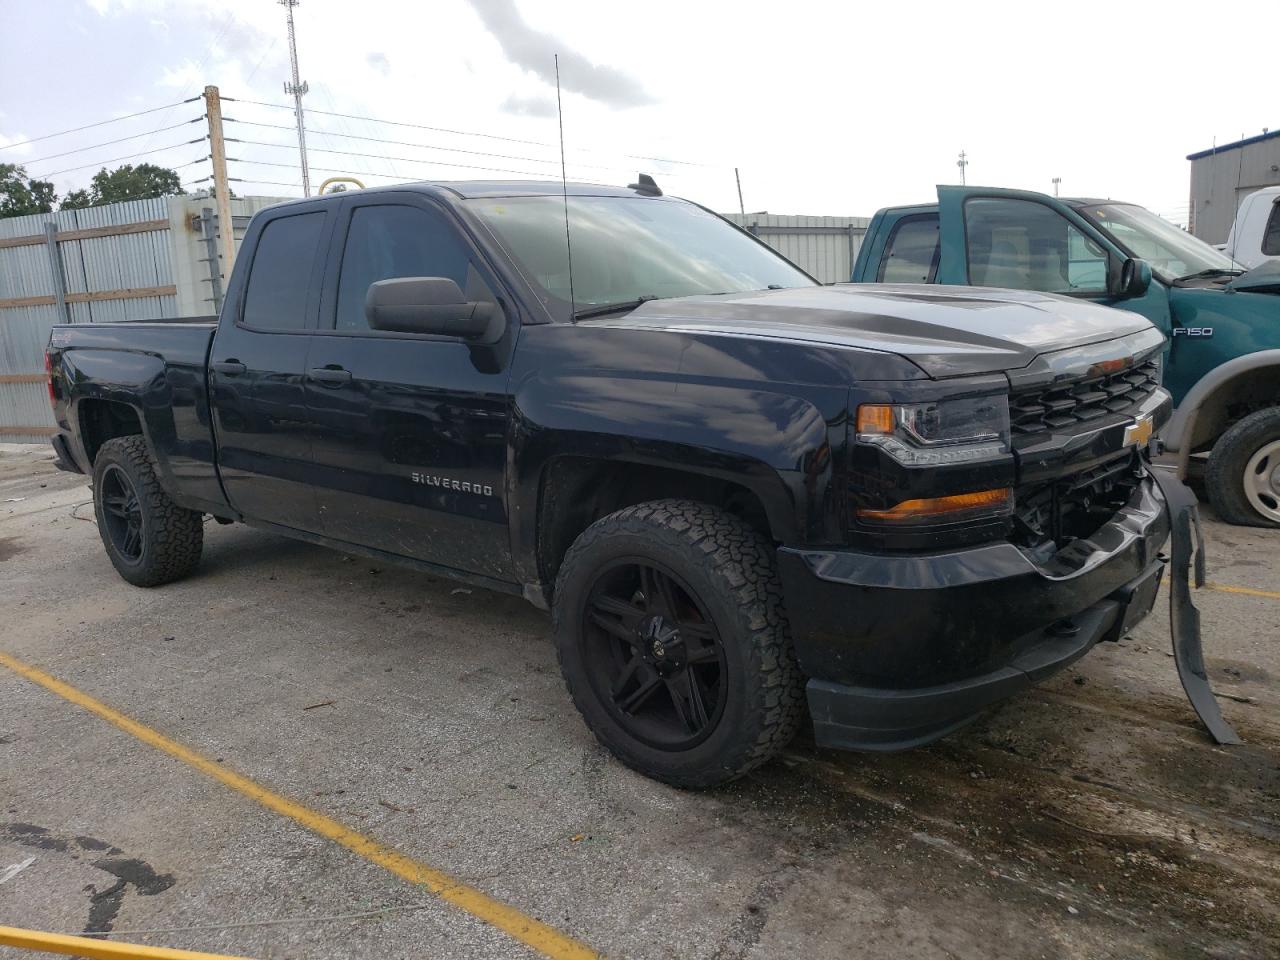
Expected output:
(221, 188)
(741, 209)
(1056, 181)
(297, 89)
(962, 163)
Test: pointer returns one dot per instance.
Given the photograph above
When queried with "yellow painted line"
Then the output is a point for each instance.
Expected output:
(1246, 591)
(96, 949)
(529, 931)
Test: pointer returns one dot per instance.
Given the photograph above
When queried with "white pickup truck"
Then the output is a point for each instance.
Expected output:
(1255, 236)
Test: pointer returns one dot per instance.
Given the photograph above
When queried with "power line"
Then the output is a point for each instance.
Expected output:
(100, 123)
(265, 183)
(107, 143)
(375, 156)
(406, 143)
(130, 156)
(392, 176)
(468, 133)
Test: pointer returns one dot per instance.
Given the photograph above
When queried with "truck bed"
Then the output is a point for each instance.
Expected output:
(153, 370)
(180, 341)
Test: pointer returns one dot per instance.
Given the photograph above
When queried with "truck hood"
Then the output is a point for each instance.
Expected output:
(1264, 278)
(946, 331)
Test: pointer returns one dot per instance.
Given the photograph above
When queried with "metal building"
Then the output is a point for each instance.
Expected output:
(824, 247)
(1223, 176)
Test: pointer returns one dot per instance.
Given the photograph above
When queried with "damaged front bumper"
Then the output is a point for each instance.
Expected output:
(904, 649)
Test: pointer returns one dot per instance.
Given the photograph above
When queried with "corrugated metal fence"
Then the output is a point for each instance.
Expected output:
(74, 266)
(822, 246)
(139, 259)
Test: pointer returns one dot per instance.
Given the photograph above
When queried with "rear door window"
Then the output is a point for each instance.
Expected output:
(1271, 236)
(280, 276)
(911, 255)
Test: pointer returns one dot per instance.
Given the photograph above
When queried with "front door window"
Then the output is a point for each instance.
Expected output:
(1026, 245)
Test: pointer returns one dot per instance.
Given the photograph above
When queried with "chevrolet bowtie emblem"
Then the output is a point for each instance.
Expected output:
(1138, 433)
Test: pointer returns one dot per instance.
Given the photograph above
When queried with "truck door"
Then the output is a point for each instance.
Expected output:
(256, 366)
(1027, 241)
(411, 429)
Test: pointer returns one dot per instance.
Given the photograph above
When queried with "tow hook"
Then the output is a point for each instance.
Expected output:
(1184, 618)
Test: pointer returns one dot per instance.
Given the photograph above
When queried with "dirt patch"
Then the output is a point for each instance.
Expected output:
(1236, 671)
(10, 547)
(1181, 878)
(1170, 846)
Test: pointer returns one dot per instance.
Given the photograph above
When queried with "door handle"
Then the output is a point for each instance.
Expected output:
(334, 375)
(232, 368)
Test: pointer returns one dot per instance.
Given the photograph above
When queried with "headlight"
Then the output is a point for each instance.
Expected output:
(941, 432)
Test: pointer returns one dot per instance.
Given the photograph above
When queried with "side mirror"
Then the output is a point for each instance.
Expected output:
(1131, 280)
(425, 305)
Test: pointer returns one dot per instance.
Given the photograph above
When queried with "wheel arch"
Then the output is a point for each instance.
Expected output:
(574, 491)
(1207, 409)
(100, 420)
(121, 393)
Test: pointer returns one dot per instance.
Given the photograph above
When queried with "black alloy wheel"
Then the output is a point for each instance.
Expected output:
(673, 641)
(653, 655)
(149, 539)
(122, 513)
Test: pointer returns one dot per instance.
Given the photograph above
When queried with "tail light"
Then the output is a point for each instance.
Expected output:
(48, 369)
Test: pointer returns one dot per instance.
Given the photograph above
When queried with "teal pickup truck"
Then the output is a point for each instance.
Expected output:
(1222, 364)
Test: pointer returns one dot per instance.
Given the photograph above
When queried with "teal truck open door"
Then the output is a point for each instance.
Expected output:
(1222, 364)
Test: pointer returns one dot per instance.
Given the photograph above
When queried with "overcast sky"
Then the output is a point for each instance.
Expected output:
(828, 108)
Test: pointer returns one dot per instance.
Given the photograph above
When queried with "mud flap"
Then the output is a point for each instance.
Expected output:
(1184, 618)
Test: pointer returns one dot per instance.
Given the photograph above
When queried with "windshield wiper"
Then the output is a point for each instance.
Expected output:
(607, 308)
(1211, 272)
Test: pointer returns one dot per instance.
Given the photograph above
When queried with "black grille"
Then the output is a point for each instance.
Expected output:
(1072, 507)
(1083, 400)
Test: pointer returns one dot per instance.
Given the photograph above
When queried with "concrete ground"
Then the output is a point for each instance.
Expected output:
(1089, 818)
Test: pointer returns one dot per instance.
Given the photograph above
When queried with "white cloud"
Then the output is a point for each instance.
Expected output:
(14, 154)
(530, 106)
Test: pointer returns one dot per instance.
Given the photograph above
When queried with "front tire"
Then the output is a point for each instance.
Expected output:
(149, 538)
(674, 644)
(1243, 476)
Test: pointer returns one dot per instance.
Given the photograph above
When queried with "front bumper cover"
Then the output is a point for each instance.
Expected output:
(904, 649)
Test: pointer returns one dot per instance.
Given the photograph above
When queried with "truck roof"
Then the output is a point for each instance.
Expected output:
(932, 206)
(467, 189)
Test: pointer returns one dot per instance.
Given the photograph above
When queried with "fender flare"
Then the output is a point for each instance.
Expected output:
(134, 380)
(1179, 430)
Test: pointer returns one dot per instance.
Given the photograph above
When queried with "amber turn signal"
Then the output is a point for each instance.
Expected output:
(993, 501)
(875, 418)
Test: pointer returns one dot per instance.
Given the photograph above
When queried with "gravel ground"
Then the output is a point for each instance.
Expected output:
(1089, 818)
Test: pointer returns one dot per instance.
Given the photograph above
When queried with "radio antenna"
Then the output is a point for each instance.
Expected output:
(564, 187)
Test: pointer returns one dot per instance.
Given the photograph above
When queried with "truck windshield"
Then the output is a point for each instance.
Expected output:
(1173, 253)
(629, 248)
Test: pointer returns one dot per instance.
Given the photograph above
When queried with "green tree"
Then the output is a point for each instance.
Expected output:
(20, 194)
(128, 182)
(77, 199)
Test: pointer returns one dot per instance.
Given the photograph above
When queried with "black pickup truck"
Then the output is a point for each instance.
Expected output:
(736, 490)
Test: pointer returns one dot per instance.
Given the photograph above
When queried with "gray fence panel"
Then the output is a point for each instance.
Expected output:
(824, 247)
(89, 265)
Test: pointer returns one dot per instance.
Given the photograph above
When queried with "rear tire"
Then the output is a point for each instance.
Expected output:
(1243, 476)
(674, 644)
(149, 538)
